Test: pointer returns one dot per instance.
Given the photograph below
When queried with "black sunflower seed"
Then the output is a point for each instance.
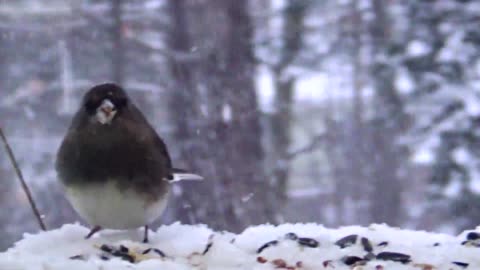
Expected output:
(123, 249)
(266, 245)
(308, 242)
(393, 256)
(461, 264)
(127, 257)
(207, 248)
(369, 256)
(471, 243)
(347, 241)
(156, 250)
(159, 252)
(291, 236)
(77, 257)
(383, 244)
(350, 260)
(106, 248)
(367, 246)
(473, 236)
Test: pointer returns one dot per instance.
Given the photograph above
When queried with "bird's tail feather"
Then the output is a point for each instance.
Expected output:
(180, 175)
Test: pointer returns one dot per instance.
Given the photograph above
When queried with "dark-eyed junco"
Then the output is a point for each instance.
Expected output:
(115, 168)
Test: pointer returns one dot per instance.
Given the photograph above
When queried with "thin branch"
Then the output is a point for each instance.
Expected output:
(314, 143)
(22, 180)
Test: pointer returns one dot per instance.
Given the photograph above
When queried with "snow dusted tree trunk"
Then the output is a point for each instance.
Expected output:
(247, 132)
(358, 140)
(223, 141)
(292, 38)
(118, 50)
(386, 127)
(191, 203)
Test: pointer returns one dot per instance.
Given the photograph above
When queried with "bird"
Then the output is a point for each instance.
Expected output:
(115, 169)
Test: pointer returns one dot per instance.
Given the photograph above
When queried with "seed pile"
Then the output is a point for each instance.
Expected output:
(108, 252)
(285, 247)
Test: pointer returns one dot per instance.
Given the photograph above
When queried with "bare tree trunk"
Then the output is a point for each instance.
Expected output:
(223, 142)
(292, 39)
(245, 132)
(281, 137)
(190, 203)
(387, 125)
(357, 140)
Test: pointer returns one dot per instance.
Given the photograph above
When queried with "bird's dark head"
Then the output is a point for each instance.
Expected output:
(104, 102)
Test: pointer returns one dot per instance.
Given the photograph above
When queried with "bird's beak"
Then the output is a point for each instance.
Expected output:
(105, 112)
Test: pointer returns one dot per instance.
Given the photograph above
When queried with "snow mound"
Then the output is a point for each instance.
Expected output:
(288, 246)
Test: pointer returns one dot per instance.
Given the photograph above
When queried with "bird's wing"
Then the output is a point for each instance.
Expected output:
(174, 175)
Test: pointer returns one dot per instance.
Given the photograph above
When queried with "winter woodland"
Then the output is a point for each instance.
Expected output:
(346, 112)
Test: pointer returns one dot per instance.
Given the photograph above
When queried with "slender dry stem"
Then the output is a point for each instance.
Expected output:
(22, 180)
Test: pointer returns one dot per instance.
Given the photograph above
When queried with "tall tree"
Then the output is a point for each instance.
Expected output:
(117, 42)
(223, 141)
(442, 61)
(388, 123)
(292, 33)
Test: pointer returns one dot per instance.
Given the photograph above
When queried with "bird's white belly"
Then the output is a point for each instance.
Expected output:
(108, 206)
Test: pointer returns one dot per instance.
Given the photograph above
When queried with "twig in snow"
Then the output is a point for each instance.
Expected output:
(22, 180)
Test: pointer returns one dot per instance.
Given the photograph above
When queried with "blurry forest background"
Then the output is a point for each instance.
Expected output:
(332, 111)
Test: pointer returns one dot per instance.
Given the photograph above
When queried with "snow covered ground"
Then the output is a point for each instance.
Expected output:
(288, 246)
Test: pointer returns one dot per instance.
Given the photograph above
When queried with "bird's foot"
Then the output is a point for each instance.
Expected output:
(93, 231)
(145, 235)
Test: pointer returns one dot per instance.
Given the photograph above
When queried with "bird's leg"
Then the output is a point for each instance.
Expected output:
(145, 234)
(93, 231)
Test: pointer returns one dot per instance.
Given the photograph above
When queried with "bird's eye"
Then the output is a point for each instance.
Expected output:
(91, 105)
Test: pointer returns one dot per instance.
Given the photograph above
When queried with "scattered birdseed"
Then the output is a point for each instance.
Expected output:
(461, 264)
(471, 243)
(393, 256)
(209, 244)
(106, 248)
(261, 260)
(291, 236)
(156, 250)
(267, 245)
(327, 263)
(279, 263)
(78, 257)
(207, 248)
(424, 266)
(123, 249)
(473, 236)
(347, 241)
(369, 256)
(351, 260)
(367, 246)
(308, 242)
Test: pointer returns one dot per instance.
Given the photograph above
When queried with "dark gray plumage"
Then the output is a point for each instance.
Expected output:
(115, 168)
